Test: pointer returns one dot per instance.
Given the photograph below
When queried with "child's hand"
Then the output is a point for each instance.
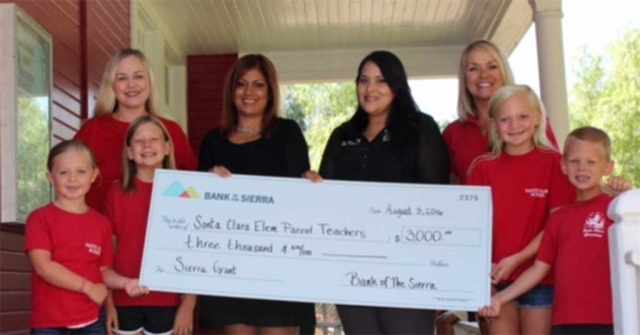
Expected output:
(96, 292)
(616, 185)
(491, 311)
(183, 322)
(112, 318)
(503, 269)
(133, 288)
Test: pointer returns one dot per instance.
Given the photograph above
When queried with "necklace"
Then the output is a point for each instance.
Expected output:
(250, 130)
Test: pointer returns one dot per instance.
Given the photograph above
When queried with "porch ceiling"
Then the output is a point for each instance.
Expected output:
(241, 26)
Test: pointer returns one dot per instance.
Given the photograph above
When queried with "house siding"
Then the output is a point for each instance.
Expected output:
(205, 80)
(85, 35)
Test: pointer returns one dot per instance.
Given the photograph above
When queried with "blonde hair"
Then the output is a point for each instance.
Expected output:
(590, 134)
(129, 167)
(540, 139)
(466, 103)
(106, 102)
(69, 145)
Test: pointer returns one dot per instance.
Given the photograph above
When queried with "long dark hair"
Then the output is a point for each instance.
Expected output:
(403, 105)
(229, 110)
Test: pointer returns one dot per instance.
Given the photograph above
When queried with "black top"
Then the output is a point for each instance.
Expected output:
(280, 153)
(412, 153)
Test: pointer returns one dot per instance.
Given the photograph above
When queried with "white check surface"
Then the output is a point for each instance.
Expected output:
(373, 244)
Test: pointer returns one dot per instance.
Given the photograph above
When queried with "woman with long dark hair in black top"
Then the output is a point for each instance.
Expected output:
(387, 140)
(253, 140)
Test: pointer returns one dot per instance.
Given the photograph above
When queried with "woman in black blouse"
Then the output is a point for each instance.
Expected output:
(253, 140)
(387, 140)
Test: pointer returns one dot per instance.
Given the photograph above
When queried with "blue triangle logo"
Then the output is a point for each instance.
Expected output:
(175, 190)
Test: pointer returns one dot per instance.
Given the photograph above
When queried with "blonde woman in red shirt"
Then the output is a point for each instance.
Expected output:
(127, 92)
(483, 70)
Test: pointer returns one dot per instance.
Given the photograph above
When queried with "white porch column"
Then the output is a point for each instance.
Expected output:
(624, 255)
(547, 15)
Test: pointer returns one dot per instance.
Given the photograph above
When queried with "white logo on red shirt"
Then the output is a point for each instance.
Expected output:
(93, 248)
(537, 192)
(594, 225)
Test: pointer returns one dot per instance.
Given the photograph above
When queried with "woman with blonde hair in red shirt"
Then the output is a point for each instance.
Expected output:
(127, 92)
(483, 70)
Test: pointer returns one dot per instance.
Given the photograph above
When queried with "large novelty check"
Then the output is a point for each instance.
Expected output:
(352, 243)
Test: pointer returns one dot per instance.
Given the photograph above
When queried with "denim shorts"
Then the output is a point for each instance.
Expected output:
(540, 296)
(96, 328)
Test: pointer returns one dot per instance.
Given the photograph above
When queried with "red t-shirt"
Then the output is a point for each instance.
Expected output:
(79, 242)
(466, 142)
(105, 136)
(129, 214)
(524, 189)
(575, 242)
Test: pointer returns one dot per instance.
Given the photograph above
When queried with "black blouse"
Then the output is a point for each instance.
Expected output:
(413, 153)
(281, 153)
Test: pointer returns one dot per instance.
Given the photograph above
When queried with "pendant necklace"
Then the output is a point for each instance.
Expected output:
(250, 130)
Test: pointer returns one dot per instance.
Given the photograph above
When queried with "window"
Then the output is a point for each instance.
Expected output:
(26, 137)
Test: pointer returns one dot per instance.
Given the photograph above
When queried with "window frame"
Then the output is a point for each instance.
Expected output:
(12, 19)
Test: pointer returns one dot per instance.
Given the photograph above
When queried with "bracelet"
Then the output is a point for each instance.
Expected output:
(84, 281)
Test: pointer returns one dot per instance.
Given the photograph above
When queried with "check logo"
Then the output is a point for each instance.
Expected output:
(177, 190)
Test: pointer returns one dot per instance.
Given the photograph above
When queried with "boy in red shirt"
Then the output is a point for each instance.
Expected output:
(575, 243)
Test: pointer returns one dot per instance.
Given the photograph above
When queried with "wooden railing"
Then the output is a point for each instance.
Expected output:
(624, 250)
(15, 280)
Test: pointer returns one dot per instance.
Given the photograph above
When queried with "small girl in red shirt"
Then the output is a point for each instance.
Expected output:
(575, 242)
(527, 182)
(70, 248)
(148, 147)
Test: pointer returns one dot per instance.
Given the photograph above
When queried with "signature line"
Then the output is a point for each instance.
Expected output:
(354, 256)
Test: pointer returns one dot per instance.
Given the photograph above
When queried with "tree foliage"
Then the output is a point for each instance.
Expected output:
(33, 148)
(607, 95)
(318, 109)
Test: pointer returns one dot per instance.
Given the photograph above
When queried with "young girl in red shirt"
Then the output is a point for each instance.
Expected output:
(575, 242)
(527, 182)
(69, 246)
(148, 147)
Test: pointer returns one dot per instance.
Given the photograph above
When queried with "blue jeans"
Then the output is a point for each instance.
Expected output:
(96, 328)
(540, 296)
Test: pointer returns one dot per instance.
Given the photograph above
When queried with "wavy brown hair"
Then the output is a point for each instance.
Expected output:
(229, 110)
